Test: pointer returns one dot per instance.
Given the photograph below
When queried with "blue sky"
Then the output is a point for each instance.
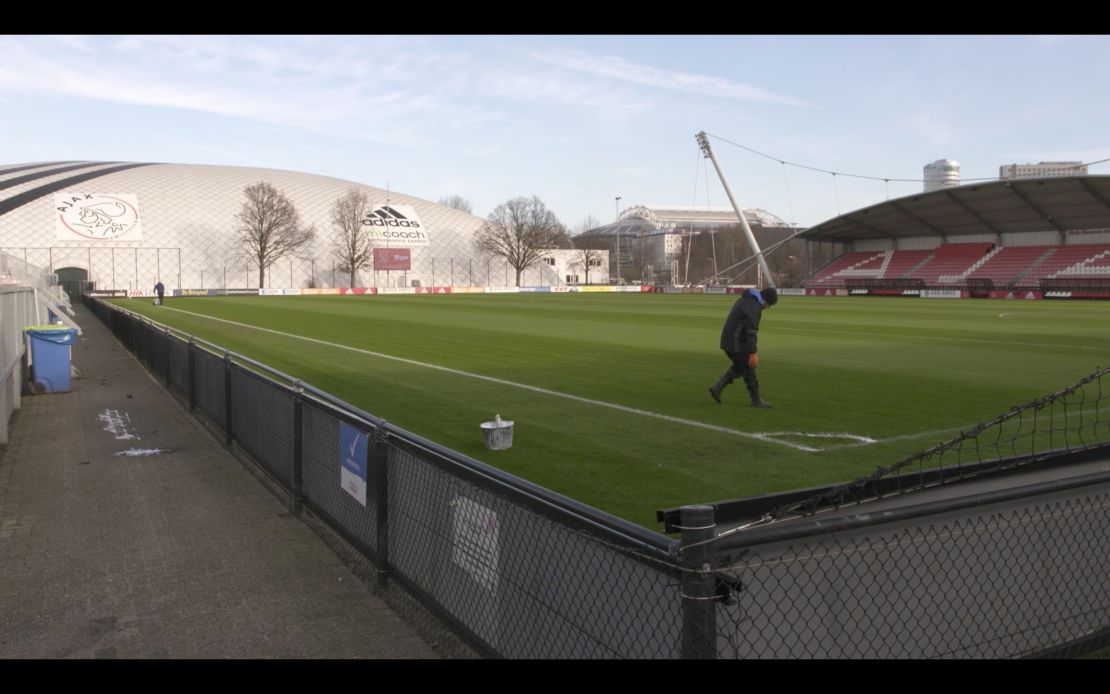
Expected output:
(575, 120)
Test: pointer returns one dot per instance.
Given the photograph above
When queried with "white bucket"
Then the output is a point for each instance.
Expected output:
(498, 434)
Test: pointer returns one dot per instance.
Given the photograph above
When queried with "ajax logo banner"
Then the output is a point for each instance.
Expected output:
(399, 224)
(97, 217)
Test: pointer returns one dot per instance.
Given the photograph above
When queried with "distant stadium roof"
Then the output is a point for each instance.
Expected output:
(998, 207)
(659, 218)
(663, 215)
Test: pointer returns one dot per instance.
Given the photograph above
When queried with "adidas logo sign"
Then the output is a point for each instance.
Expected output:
(386, 216)
(394, 223)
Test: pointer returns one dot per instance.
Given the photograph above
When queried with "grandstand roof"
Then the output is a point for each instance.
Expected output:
(999, 207)
(662, 218)
(661, 215)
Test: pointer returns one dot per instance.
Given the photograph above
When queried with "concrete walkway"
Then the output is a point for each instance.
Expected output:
(179, 553)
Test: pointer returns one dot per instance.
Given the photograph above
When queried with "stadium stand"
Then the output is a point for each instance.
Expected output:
(1005, 265)
(958, 265)
(1077, 261)
(950, 262)
(1029, 238)
(866, 263)
(905, 263)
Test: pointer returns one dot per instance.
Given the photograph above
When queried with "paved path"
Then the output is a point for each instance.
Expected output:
(175, 554)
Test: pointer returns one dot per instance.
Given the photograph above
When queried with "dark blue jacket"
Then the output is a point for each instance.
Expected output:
(742, 325)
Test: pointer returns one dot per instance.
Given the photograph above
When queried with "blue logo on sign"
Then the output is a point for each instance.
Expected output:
(352, 450)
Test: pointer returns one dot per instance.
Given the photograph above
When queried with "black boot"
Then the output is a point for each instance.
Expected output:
(757, 401)
(716, 388)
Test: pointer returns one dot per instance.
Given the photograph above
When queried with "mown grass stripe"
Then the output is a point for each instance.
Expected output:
(769, 438)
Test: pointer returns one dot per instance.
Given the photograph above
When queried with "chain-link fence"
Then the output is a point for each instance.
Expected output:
(1020, 579)
(900, 564)
(1071, 421)
(136, 270)
(518, 571)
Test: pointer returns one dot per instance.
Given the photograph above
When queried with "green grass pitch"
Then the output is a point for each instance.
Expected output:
(639, 431)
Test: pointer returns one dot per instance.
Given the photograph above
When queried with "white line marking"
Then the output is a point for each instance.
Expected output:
(860, 440)
(535, 389)
(1006, 315)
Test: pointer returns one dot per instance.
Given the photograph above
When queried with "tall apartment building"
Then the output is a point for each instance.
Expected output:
(1043, 169)
(942, 173)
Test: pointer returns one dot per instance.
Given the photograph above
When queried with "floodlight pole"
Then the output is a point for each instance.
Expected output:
(617, 231)
(703, 142)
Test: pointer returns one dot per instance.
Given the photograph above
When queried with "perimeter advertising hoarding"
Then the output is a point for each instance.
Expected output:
(278, 292)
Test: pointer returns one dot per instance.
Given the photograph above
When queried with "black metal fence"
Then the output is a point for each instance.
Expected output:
(518, 571)
(899, 564)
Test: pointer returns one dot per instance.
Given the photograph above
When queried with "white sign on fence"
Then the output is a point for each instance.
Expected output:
(474, 541)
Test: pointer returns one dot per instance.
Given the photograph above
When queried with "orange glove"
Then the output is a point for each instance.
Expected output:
(753, 360)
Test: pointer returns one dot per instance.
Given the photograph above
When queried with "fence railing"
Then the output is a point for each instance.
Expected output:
(519, 571)
(898, 564)
(1021, 573)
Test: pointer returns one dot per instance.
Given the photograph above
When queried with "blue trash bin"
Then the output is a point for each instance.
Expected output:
(50, 355)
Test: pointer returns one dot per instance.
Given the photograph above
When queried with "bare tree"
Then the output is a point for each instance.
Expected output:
(457, 202)
(351, 245)
(270, 227)
(519, 231)
(589, 253)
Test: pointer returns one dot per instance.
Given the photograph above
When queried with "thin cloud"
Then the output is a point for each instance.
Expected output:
(297, 83)
(621, 69)
(517, 87)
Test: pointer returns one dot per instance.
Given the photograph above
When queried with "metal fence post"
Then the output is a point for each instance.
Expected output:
(166, 351)
(144, 341)
(378, 460)
(228, 438)
(192, 351)
(298, 446)
(699, 605)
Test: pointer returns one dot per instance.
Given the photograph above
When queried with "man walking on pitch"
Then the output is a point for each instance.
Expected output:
(738, 340)
(160, 290)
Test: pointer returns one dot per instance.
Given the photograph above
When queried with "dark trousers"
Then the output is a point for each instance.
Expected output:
(740, 369)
